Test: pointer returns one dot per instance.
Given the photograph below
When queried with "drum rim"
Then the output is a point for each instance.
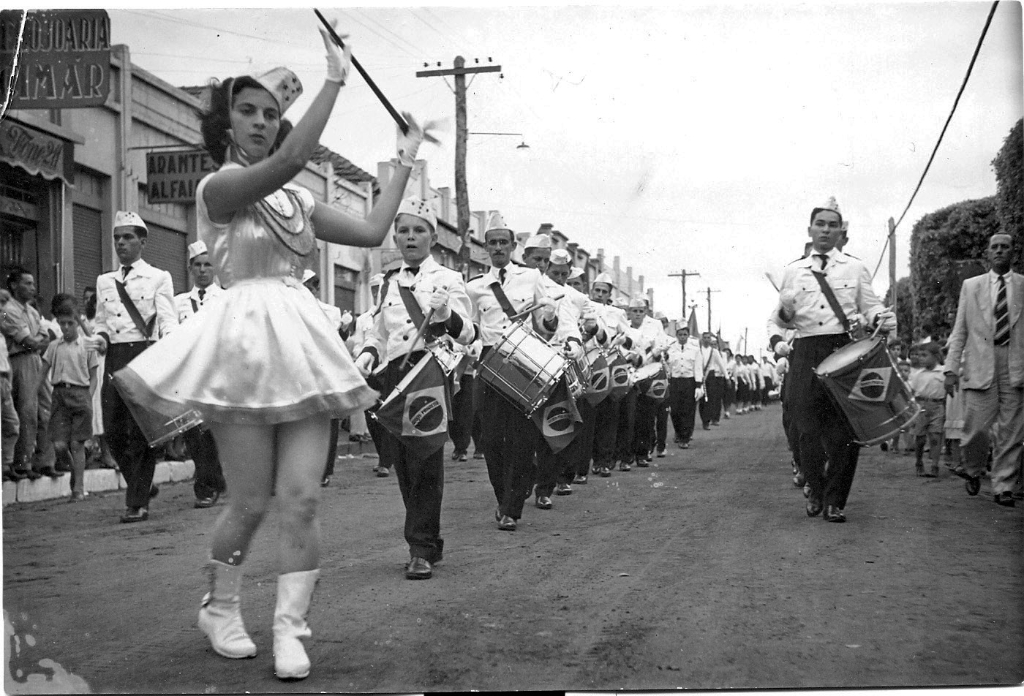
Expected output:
(874, 341)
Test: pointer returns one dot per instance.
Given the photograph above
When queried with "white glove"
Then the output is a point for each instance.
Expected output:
(698, 394)
(409, 143)
(787, 300)
(339, 61)
(573, 350)
(546, 307)
(886, 320)
(589, 325)
(439, 303)
(364, 363)
(783, 349)
(346, 319)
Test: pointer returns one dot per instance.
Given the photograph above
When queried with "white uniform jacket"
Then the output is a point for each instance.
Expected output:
(393, 330)
(152, 292)
(188, 303)
(522, 286)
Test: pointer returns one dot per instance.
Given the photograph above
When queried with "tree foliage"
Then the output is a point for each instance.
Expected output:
(1009, 168)
(904, 312)
(944, 246)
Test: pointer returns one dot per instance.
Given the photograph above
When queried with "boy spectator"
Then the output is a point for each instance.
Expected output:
(928, 386)
(71, 368)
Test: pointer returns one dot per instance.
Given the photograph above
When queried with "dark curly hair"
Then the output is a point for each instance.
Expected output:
(216, 120)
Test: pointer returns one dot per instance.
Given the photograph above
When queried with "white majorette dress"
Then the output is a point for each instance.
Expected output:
(266, 352)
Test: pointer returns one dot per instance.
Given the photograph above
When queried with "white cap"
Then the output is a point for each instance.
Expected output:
(196, 249)
(561, 257)
(660, 316)
(620, 302)
(282, 84)
(376, 280)
(418, 207)
(575, 272)
(497, 222)
(538, 241)
(603, 278)
(637, 303)
(308, 275)
(124, 218)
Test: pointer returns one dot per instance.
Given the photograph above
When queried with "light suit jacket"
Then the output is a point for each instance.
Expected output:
(971, 345)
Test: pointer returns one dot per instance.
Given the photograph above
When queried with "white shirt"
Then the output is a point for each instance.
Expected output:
(187, 303)
(849, 280)
(711, 360)
(393, 329)
(682, 360)
(522, 286)
(152, 292)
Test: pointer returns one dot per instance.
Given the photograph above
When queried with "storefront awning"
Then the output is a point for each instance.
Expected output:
(36, 152)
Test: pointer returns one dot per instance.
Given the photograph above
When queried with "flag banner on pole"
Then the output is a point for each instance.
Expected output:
(600, 381)
(417, 410)
(692, 323)
(558, 419)
(658, 388)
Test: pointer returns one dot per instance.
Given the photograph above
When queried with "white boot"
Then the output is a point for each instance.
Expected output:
(220, 617)
(294, 591)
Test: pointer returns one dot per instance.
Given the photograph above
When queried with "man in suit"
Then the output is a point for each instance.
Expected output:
(988, 343)
(126, 331)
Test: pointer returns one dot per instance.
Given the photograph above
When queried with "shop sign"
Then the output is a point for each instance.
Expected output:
(64, 62)
(35, 152)
(172, 177)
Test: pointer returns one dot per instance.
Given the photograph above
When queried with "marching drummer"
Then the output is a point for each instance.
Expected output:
(555, 471)
(209, 482)
(135, 306)
(650, 344)
(421, 290)
(510, 438)
(577, 280)
(817, 295)
(606, 413)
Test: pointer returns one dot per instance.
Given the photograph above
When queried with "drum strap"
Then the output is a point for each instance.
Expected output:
(416, 313)
(830, 296)
(503, 300)
(145, 328)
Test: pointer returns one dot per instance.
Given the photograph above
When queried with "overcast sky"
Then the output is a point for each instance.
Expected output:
(695, 136)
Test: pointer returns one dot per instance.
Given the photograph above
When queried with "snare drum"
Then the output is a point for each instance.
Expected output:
(866, 385)
(522, 368)
(160, 421)
(447, 358)
(621, 376)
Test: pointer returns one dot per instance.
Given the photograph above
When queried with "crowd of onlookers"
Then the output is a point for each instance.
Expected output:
(50, 376)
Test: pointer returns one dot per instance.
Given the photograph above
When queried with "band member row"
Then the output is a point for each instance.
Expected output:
(650, 344)
(420, 290)
(509, 437)
(606, 413)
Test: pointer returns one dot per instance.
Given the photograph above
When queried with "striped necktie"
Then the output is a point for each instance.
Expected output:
(1002, 315)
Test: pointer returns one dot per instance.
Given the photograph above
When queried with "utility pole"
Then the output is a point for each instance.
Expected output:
(892, 264)
(682, 277)
(459, 71)
(709, 306)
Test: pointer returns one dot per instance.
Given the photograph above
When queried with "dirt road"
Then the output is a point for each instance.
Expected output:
(701, 572)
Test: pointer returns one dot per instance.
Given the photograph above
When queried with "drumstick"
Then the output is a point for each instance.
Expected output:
(419, 335)
(532, 306)
(380, 95)
(769, 277)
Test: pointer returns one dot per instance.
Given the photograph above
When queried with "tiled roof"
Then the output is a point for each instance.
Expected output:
(343, 168)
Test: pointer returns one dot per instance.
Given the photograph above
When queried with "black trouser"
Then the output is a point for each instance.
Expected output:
(461, 428)
(376, 434)
(606, 427)
(582, 447)
(643, 425)
(728, 394)
(420, 479)
(711, 404)
(684, 407)
(203, 450)
(768, 386)
(626, 427)
(332, 447)
(128, 445)
(661, 424)
(825, 434)
(510, 441)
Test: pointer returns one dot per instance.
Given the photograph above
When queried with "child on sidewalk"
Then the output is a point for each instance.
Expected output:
(928, 386)
(71, 368)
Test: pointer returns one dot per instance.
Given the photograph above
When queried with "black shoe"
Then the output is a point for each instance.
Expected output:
(715, 423)
(661, 451)
(418, 569)
(832, 514)
(12, 475)
(30, 474)
(623, 466)
(563, 489)
(324, 483)
(814, 507)
(642, 462)
(973, 483)
(153, 492)
(581, 479)
(807, 490)
(458, 456)
(478, 455)
(706, 427)
(209, 501)
(507, 524)
(1005, 499)
(605, 471)
(135, 515)
(543, 502)
(685, 444)
(50, 471)
(381, 471)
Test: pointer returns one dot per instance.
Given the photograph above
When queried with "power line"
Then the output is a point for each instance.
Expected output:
(963, 85)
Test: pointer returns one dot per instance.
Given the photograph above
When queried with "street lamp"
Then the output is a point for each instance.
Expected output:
(521, 146)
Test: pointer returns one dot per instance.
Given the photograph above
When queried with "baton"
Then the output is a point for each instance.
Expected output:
(419, 335)
(769, 277)
(376, 90)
